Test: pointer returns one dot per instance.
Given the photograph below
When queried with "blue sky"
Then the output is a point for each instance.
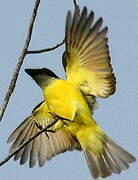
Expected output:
(117, 115)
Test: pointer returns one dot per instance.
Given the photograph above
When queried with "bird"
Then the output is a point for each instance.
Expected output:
(72, 101)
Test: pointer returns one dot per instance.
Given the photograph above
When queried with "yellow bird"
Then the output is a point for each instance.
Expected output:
(89, 75)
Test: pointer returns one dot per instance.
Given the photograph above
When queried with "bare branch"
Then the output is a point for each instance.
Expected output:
(7, 158)
(20, 61)
(75, 3)
(46, 49)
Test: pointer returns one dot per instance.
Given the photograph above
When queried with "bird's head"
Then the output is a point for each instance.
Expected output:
(41, 76)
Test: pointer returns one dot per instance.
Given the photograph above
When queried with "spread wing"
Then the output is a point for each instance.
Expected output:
(86, 58)
(42, 148)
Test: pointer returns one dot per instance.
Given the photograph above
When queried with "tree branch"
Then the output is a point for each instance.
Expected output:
(20, 61)
(75, 3)
(46, 49)
(7, 158)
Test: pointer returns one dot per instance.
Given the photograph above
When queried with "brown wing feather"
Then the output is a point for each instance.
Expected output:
(41, 148)
(86, 59)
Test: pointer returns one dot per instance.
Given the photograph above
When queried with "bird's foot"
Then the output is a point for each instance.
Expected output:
(41, 128)
(57, 117)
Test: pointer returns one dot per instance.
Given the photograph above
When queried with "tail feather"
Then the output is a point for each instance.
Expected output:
(126, 156)
(98, 166)
(112, 164)
(92, 163)
(105, 168)
(113, 159)
(123, 165)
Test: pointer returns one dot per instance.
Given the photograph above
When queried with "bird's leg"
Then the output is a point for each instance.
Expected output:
(57, 117)
(41, 128)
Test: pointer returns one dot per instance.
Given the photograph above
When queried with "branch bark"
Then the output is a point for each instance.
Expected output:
(46, 49)
(75, 3)
(7, 158)
(20, 61)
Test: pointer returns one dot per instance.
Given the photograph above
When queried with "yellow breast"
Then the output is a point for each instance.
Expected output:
(66, 100)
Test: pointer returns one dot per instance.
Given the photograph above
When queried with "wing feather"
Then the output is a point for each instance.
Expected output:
(34, 150)
(86, 58)
(42, 148)
(26, 152)
(42, 156)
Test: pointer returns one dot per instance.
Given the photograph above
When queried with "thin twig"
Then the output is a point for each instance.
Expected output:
(46, 49)
(7, 158)
(75, 3)
(20, 61)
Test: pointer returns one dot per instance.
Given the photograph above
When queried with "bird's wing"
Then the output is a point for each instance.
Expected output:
(41, 148)
(86, 58)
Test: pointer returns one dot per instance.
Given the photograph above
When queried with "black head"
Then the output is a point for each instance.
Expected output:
(41, 76)
(43, 71)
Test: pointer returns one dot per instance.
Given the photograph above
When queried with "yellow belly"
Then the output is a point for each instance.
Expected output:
(64, 99)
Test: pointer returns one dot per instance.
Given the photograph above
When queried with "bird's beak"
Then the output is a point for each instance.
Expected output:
(31, 72)
(39, 76)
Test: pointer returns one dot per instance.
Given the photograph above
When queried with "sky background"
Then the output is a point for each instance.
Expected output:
(118, 115)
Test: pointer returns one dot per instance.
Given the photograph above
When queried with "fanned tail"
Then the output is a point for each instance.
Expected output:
(113, 159)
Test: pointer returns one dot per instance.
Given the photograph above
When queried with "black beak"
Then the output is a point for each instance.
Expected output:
(41, 76)
(44, 71)
(32, 72)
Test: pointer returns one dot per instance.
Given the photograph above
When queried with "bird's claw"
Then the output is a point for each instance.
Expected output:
(57, 117)
(41, 128)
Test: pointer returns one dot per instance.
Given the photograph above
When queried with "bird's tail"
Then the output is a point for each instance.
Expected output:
(106, 156)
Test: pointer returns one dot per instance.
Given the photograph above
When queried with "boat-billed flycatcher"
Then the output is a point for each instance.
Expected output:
(89, 75)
